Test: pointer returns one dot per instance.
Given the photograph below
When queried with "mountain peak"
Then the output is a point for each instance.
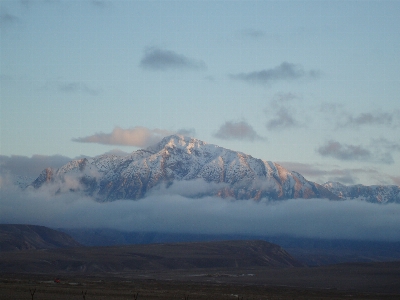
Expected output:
(176, 141)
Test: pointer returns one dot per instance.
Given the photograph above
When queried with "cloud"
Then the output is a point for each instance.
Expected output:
(355, 152)
(157, 59)
(17, 165)
(7, 19)
(365, 119)
(396, 180)
(284, 72)
(137, 136)
(317, 218)
(253, 33)
(77, 87)
(344, 152)
(282, 120)
(237, 131)
(324, 173)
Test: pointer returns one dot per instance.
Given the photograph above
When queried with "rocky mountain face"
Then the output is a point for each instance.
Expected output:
(373, 193)
(178, 159)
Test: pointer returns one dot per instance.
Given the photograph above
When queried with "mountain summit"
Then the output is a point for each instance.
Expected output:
(179, 159)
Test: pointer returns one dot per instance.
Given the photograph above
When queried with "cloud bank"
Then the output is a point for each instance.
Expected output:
(284, 72)
(157, 59)
(318, 218)
(231, 130)
(136, 136)
(17, 165)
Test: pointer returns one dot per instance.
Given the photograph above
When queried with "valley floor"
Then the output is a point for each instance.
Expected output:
(334, 282)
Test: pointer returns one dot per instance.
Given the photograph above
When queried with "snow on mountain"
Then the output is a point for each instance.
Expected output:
(179, 159)
(373, 193)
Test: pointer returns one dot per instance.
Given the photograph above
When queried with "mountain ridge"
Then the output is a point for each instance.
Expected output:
(179, 158)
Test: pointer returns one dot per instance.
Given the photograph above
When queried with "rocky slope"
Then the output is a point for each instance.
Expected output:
(178, 159)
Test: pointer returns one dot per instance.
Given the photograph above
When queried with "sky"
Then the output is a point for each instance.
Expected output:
(312, 85)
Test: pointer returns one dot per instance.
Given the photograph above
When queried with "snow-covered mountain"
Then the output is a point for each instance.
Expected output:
(373, 193)
(207, 170)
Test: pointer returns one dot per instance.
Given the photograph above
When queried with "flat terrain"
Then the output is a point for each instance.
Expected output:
(204, 270)
(337, 282)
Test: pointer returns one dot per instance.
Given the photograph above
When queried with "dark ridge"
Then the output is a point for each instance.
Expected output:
(17, 237)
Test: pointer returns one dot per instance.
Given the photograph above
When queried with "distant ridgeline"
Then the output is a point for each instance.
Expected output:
(182, 159)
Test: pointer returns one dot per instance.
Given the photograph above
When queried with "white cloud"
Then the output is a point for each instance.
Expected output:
(318, 218)
(136, 136)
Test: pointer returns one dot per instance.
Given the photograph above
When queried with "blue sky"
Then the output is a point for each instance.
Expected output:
(313, 85)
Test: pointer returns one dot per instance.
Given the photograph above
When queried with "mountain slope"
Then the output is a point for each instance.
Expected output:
(222, 254)
(373, 193)
(180, 159)
(16, 237)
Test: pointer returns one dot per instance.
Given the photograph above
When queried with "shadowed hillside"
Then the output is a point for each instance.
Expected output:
(225, 254)
(24, 237)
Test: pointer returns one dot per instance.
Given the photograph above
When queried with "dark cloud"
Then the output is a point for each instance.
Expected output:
(237, 131)
(387, 119)
(386, 144)
(77, 87)
(7, 19)
(284, 72)
(317, 218)
(157, 59)
(345, 152)
(374, 153)
(136, 136)
(282, 119)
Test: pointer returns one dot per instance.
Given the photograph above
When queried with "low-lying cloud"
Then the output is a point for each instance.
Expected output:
(175, 213)
(231, 130)
(18, 165)
(157, 59)
(284, 72)
(136, 136)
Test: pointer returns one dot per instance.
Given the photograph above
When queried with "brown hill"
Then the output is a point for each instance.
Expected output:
(223, 254)
(23, 237)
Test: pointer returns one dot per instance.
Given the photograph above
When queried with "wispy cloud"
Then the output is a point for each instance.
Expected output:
(157, 59)
(376, 118)
(18, 165)
(252, 33)
(356, 152)
(283, 120)
(344, 152)
(77, 87)
(137, 136)
(231, 130)
(323, 173)
(7, 19)
(284, 72)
